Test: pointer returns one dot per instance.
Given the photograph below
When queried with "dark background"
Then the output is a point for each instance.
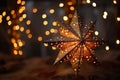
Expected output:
(36, 60)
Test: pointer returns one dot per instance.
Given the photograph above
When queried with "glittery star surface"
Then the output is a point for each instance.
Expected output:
(76, 42)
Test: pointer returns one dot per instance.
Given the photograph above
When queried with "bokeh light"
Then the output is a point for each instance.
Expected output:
(94, 4)
(61, 4)
(52, 11)
(107, 48)
(65, 18)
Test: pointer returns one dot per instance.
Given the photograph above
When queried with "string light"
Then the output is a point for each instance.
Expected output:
(28, 22)
(107, 48)
(65, 18)
(1, 16)
(23, 3)
(47, 33)
(27, 31)
(15, 45)
(61, 5)
(15, 16)
(20, 52)
(8, 18)
(12, 12)
(9, 23)
(20, 16)
(21, 9)
(21, 29)
(18, 1)
(45, 23)
(20, 19)
(52, 11)
(69, 3)
(54, 48)
(15, 52)
(88, 1)
(44, 16)
(4, 13)
(54, 23)
(13, 40)
(114, 1)
(39, 38)
(45, 44)
(24, 16)
(118, 18)
(96, 33)
(34, 10)
(29, 36)
(16, 27)
(20, 43)
(117, 41)
(94, 4)
(105, 14)
(52, 30)
(0, 20)
(72, 8)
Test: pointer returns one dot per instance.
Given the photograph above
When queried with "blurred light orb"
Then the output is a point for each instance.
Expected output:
(117, 41)
(72, 8)
(118, 18)
(8, 18)
(44, 16)
(39, 38)
(88, 1)
(18, 1)
(20, 19)
(52, 30)
(9, 23)
(94, 4)
(20, 52)
(15, 52)
(34, 10)
(45, 22)
(96, 33)
(65, 18)
(4, 13)
(1, 16)
(21, 29)
(16, 27)
(24, 16)
(23, 3)
(104, 16)
(114, 1)
(45, 44)
(69, 3)
(27, 31)
(12, 12)
(54, 23)
(52, 11)
(105, 13)
(107, 48)
(28, 22)
(47, 33)
(29, 36)
(61, 5)
(54, 48)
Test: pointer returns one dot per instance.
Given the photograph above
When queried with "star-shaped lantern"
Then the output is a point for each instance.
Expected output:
(76, 42)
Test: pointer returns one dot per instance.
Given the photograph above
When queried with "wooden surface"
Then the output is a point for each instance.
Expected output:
(36, 68)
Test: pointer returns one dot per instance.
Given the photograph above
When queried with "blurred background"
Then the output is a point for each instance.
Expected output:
(25, 24)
